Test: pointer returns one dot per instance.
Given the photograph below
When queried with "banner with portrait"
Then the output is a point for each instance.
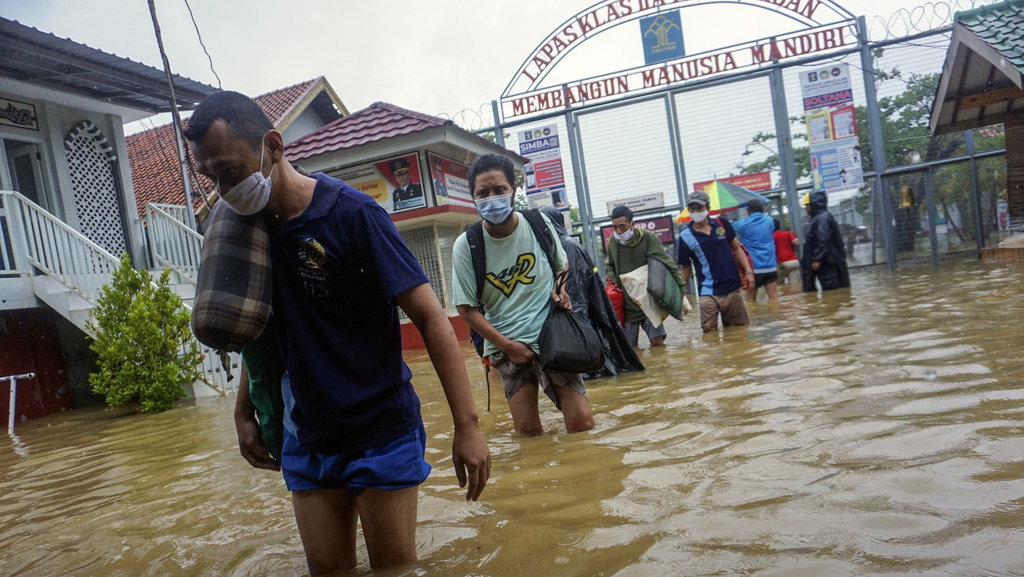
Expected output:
(394, 182)
(450, 181)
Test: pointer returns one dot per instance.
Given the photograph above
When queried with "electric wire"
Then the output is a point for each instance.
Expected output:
(203, 44)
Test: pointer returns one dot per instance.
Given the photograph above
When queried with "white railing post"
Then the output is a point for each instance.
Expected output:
(173, 243)
(13, 379)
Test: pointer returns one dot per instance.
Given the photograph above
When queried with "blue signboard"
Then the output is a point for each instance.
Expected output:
(662, 35)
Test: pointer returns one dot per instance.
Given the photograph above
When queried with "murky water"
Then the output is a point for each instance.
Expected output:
(878, 431)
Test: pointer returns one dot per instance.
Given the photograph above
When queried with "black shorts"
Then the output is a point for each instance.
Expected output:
(763, 278)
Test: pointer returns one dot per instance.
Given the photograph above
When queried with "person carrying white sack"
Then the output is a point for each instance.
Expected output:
(629, 249)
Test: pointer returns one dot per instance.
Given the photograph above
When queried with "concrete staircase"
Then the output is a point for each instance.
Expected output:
(75, 269)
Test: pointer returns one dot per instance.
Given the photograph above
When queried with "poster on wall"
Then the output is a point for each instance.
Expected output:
(832, 128)
(545, 179)
(450, 181)
(661, 226)
(394, 183)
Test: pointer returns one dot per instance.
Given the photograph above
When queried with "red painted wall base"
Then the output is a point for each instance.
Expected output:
(413, 340)
(29, 343)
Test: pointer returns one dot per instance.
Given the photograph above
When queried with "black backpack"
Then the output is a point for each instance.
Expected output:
(475, 238)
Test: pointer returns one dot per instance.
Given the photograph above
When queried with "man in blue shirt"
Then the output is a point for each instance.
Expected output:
(354, 442)
(710, 247)
(758, 234)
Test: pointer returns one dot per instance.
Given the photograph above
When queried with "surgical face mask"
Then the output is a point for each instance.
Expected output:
(624, 237)
(252, 194)
(495, 209)
(700, 216)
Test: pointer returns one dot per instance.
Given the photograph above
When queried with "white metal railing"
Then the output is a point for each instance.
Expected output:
(45, 242)
(172, 243)
(58, 250)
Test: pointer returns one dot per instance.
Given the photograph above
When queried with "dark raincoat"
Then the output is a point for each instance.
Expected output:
(590, 301)
(823, 243)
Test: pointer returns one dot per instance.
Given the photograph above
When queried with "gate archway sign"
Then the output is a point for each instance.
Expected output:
(821, 26)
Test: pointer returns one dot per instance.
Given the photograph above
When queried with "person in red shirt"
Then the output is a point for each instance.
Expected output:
(785, 254)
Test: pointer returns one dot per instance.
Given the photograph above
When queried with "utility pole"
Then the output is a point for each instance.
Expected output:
(190, 209)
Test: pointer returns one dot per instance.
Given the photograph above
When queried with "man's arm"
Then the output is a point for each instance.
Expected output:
(684, 273)
(470, 456)
(610, 269)
(657, 250)
(250, 444)
(517, 352)
(741, 259)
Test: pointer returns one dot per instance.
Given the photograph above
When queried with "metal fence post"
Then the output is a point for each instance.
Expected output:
(879, 191)
(13, 379)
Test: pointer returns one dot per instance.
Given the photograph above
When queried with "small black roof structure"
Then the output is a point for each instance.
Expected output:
(40, 58)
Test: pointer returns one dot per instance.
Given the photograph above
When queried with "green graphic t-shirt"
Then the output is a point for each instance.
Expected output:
(517, 285)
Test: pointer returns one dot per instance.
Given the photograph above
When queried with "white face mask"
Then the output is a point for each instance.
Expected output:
(252, 194)
(699, 216)
(624, 237)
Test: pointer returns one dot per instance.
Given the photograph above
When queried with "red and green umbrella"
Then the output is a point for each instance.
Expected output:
(724, 197)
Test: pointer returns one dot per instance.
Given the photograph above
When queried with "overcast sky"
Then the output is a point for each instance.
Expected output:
(434, 56)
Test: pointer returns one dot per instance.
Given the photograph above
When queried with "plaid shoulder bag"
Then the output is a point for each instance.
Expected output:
(234, 285)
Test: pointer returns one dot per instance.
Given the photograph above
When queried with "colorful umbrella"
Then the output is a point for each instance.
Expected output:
(724, 197)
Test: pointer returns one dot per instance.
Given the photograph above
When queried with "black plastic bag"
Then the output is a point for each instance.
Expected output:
(568, 344)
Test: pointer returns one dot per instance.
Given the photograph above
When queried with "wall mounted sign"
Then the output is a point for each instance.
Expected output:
(544, 176)
(394, 183)
(662, 36)
(661, 227)
(832, 127)
(450, 180)
(18, 114)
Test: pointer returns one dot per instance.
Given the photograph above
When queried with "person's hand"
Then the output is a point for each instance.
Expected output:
(250, 445)
(518, 352)
(562, 299)
(815, 264)
(472, 460)
(559, 293)
(748, 280)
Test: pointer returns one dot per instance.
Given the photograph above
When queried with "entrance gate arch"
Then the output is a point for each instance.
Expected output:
(658, 128)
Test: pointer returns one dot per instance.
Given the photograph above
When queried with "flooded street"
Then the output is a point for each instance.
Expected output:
(872, 431)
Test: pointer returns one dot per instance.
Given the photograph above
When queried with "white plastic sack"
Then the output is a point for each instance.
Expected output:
(635, 283)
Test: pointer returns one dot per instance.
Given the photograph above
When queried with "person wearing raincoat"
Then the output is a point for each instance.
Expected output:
(824, 258)
(590, 301)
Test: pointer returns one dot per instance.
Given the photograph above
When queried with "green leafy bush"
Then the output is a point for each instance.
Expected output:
(144, 347)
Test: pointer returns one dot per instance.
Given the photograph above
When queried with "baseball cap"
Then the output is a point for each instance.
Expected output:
(698, 197)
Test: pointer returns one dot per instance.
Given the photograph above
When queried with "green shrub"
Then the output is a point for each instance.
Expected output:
(144, 347)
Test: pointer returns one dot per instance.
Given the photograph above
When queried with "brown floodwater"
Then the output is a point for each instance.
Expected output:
(872, 431)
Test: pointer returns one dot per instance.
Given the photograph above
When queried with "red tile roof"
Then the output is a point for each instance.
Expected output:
(153, 156)
(156, 177)
(377, 121)
(279, 103)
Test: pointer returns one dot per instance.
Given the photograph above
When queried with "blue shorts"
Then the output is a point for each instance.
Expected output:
(397, 465)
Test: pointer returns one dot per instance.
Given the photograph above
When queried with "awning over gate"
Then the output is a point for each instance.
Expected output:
(982, 78)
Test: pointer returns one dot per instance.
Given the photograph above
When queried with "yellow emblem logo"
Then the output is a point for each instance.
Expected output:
(507, 280)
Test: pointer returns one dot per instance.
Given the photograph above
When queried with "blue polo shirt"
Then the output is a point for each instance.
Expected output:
(336, 268)
(757, 233)
(711, 256)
